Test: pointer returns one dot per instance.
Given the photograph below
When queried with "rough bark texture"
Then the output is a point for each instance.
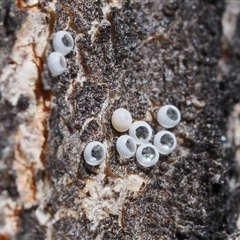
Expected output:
(138, 55)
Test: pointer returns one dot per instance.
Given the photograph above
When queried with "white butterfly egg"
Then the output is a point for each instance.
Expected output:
(141, 132)
(126, 146)
(121, 119)
(56, 63)
(165, 142)
(94, 153)
(168, 116)
(147, 155)
(62, 42)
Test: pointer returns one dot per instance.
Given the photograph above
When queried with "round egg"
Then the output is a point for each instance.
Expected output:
(126, 146)
(62, 42)
(147, 155)
(141, 132)
(168, 116)
(121, 119)
(56, 63)
(165, 142)
(94, 153)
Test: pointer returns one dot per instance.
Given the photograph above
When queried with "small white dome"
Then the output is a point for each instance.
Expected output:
(94, 153)
(126, 146)
(56, 63)
(147, 155)
(168, 116)
(165, 142)
(62, 42)
(141, 132)
(121, 119)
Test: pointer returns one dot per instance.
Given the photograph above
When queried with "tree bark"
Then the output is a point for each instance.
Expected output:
(138, 55)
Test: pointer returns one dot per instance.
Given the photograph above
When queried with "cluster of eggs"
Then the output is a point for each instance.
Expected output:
(62, 44)
(139, 133)
(137, 141)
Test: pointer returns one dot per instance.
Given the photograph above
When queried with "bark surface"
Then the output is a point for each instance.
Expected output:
(138, 55)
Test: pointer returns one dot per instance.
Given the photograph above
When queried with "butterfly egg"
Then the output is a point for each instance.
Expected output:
(141, 132)
(94, 153)
(56, 63)
(126, 146)
(62, 42)
(165, 142)
(168, 116)
(121, 119)
(147, 155)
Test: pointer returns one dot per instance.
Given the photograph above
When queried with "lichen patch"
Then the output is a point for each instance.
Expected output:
(98, 201)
